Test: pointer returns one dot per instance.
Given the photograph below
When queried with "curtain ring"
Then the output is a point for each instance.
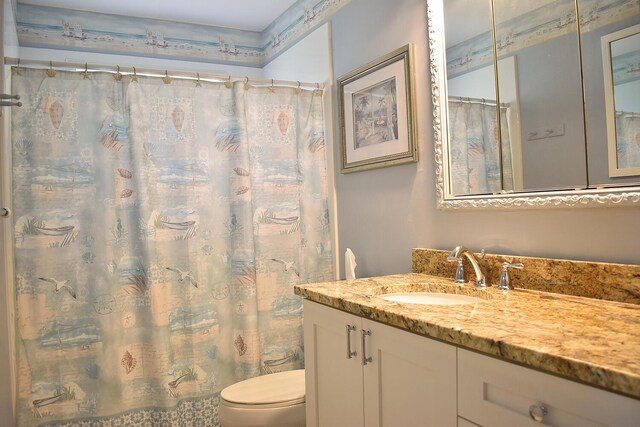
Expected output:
(198, 84)
(51, 72)
(166, 79)
(228, 84)
(117, 75)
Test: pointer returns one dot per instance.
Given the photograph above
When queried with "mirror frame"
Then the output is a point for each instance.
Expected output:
(587, 197)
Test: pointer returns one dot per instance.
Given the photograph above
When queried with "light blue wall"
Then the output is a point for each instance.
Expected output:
(383, 213)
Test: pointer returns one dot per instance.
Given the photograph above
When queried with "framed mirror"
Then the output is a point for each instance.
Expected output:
(508, 94)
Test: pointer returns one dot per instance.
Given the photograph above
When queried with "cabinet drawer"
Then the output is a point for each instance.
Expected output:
(496, 393)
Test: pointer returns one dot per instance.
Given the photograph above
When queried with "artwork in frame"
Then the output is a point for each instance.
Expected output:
(377, 120)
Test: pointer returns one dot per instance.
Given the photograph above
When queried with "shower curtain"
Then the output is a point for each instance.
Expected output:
(628, 139)
(474, 148)
(159, 229)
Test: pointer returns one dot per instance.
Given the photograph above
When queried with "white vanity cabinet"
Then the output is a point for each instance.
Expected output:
(408, 381)
(492, 392)
(412, 380)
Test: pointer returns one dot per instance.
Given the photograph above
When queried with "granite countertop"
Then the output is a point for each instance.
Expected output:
(588, 340)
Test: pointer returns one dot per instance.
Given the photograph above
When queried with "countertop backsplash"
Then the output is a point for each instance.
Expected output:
(608, 281)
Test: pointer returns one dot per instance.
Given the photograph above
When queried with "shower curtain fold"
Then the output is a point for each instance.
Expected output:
(476, 167)
(159, 229)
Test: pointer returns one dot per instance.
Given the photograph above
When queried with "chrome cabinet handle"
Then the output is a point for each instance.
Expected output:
(537, 412)
(350, 353)
(365, 359)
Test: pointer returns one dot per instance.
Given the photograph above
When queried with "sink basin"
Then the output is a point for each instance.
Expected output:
(430, 298)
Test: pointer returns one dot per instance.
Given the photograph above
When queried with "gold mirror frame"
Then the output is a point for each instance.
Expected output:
(590, 197)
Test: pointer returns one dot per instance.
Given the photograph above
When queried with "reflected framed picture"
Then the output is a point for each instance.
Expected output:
(621, 70)
(377, 114)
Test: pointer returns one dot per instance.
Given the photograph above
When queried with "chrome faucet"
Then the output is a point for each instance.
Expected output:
(458, 252)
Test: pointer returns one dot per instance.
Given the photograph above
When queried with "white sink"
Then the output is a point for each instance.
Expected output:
(430, 298)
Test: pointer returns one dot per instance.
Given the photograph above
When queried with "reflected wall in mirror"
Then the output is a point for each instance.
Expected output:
(597, 20)
(621, 67)
(509, 102)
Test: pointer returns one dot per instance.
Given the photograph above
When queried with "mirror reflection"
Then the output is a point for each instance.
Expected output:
(516, 115)
(474, 150)
(601, 23)
(540, 41)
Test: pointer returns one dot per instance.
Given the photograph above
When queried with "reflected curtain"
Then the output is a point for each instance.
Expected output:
(474, 148)
(159, 230)
(628, 139)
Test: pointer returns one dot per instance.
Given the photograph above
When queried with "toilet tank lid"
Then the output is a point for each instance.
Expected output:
(267, 389)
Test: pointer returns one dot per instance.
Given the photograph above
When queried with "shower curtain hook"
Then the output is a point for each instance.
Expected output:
(198, 84)
(51, 72)
(298, 89)
(247, 86)
(134, 77)
(85, 75)
(228, 84)
(117, 75)
(166, 79)
(272, 88)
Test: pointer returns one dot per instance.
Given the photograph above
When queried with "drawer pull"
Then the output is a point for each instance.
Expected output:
(350, 353)
(537, 412)
(365, 359)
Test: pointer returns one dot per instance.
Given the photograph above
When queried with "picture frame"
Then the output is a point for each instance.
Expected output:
(620, 53)
(376, 106)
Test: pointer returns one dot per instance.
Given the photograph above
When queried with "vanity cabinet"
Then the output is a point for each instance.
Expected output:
(408, 381)
(492, 392)
(411, 380)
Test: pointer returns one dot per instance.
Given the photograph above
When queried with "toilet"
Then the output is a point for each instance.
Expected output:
(273, 400)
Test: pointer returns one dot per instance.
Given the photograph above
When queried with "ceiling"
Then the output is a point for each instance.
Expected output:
(250, 15)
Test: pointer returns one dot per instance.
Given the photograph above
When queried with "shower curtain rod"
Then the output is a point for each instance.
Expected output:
(482, 101)
(193, 75)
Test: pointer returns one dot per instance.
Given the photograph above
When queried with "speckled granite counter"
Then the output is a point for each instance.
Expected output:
(588, 340)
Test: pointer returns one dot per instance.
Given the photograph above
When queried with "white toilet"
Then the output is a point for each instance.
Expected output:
(274, 400)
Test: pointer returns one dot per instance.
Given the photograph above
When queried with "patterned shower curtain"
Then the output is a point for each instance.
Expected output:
(159, 229)
(628, 139)
(474, 149)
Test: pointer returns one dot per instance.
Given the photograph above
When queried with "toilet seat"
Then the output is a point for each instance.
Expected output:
(268, 391)
(273, 400)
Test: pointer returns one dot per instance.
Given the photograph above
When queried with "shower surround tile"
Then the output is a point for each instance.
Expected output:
(607, 281)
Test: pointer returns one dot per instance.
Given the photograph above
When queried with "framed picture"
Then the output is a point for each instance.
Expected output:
(377, 121)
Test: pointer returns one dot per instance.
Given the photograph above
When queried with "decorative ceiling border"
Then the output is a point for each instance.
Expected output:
(58, 28)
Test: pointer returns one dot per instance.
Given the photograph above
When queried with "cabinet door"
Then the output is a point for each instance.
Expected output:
(492, 393)
(410, 381)
(333, 381)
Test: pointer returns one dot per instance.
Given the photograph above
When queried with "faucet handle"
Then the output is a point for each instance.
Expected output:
(459, 278)
(505, 282)
(459, 273)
